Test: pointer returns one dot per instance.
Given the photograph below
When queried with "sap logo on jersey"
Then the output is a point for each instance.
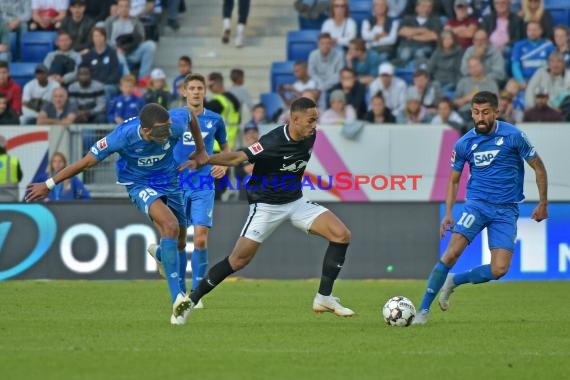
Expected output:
(485, 158)
(188, 140)
(150, 160)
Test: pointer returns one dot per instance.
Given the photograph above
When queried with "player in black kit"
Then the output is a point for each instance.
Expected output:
(275, 195)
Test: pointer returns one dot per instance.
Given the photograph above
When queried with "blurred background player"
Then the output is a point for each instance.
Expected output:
(198, 185)
(494, 151)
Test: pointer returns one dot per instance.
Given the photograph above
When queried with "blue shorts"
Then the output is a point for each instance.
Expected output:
(500, 220)
(143, 196)
(200, 207)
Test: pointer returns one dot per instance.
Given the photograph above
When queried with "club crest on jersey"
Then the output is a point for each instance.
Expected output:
(166, 146)
(294, 167)
(474, 146)
(485, 158)
(255, 148)
(150, 160)
(499, 141)
(102, 144)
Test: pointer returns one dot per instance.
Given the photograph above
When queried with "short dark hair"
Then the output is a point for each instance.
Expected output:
(236, 74)
(153, 113)
(2, 95)
(302, 104)
(84, 65)
(258, 105)
(216, 77)
(4, 65)
(483, 97)
(194, 76)
(325, 35)
(186, 59)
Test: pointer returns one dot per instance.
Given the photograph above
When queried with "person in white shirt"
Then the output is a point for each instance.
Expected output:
(340, 25)
(393, 89)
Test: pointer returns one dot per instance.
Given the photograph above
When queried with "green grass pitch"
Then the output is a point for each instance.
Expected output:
(267, 330)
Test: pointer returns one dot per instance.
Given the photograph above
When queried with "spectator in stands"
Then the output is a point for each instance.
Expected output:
(10, 174)
(62, 63)
(226, 104)
(325, 63)
(533, 10)
(7, 115)
(503, 26)
(88, 97)
(184, 68)
(542, 112)
(127, 104)
(180, 101)
(99, 10)
(470, 85)
(16, 14)
(128, 36)
(290, 92)
(145, 12)
(380, 32)
(427, 91)
(173, 7)
(158, 91)
(418, 34)
(104, 63)
(339, 112)
(513, 87)
(48, 14)
(79, 26)
(393, 88)
(530, 54)
(243, 13)
(5, 53)
(462, 25)
(10, 88)
(258, 116)
(396, 8)
(59, 111)
(554, 78)
(354, 91)
(250, 137)
(562, 43)
(239, 90)
(491, 58)
(341, 27)
(379, 113)
(446, 115)
(67, 190)
(444, 64)
(413, 112)
(36, 94)
(507, 111)
(364, 62)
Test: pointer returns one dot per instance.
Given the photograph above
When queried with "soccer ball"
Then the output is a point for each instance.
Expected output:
(399, 311)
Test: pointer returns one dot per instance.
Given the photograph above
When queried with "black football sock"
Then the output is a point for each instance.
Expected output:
(332, 264)
(215, 276)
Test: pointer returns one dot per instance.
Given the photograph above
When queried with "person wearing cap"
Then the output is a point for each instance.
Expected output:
(554, 77)
(10, 174)
(462, 25)
(36, 94)
(542, 112)
(339, 112)
(393, 88)
(158, 91)
(79, 26)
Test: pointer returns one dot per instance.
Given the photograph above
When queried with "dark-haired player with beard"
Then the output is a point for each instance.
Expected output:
(275, 195)
(495, 152)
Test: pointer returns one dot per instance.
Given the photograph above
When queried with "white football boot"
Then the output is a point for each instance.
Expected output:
(421, 317)
(330, 304)
(152, 251)
(446, 291)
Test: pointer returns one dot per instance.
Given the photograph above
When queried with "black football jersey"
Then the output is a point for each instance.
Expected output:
(279, 168)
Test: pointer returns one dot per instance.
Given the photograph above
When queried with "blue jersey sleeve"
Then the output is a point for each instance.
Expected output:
(458, 157)
(524, 147)
(180, 120)
(221, 133)
(109, 144)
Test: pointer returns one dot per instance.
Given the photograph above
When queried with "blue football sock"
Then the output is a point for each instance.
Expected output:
(170, 262)
(475, 275)
(435, 282)
(182, 264)
(159, 254)
(199, 262)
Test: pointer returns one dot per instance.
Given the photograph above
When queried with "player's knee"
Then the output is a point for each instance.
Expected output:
(342, 235)
(238, 263)
(200, 242)
(170, 229)
(499, 271)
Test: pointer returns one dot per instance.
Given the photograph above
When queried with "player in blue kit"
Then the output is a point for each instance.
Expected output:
(145, 145)
(198, 185)
(495, 152)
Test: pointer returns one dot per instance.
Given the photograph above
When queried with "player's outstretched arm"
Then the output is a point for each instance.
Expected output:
(36, 191)
(541, 211)
(450, 197)
(224, 159)
(218, 171)
(199, 155)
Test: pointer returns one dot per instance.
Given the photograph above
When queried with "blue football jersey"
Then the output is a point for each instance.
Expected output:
(496, 162)
(143, 162)
(213, 129)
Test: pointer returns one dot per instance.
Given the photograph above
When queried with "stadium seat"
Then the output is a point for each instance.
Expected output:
(406, 74)
(281, 73)
(272, 103)
(34, 46)
(14, 45)
(560, 16)
(556, 4)
(22, 72)
(300, 43)
(360, 10)
(310, 24)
